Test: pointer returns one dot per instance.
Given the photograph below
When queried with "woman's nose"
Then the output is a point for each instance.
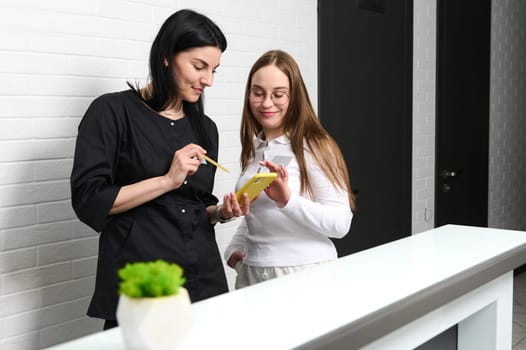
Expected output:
(267, 101)
(207, 79)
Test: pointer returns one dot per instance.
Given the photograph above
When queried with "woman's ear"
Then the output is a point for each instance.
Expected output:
(165, 62)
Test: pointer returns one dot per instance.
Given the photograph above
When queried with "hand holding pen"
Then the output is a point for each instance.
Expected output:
(185, 162)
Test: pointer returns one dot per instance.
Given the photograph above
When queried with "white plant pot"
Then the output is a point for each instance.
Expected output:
(155, 323)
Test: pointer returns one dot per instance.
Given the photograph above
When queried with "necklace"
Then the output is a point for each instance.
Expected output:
(174, 113)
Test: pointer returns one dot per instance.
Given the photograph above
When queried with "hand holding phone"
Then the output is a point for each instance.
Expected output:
(255, 185)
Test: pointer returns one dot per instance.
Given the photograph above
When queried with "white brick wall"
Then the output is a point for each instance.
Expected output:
(424, 71)
(55, 57)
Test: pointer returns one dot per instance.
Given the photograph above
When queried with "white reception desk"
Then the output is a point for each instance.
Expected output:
(394, 296)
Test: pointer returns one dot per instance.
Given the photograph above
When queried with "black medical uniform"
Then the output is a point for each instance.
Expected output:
(121, 141)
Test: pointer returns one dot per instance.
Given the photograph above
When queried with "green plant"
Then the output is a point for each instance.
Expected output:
(150, 279)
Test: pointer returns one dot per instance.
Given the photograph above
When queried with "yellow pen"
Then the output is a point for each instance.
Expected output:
(213, 162)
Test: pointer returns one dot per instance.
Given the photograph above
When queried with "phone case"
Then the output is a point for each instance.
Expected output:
(255, 185)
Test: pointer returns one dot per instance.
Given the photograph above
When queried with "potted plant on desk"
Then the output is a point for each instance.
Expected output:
(154, 308)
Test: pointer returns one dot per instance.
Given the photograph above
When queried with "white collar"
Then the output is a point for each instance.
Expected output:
(283, 139)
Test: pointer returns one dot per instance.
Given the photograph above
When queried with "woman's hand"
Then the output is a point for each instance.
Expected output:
(185, 162)
(231, 207)
(278, 190)
(236, 257)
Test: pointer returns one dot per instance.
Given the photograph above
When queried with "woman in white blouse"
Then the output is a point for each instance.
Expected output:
(290, 224)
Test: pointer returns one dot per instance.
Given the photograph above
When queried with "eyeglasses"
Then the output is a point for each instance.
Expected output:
(278, 97)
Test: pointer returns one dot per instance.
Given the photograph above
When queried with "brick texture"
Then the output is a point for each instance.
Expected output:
(507, 150)
(424, 70)
(55, 58)
(507, 163)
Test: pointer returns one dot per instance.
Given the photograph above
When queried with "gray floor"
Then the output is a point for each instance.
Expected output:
(519, 311)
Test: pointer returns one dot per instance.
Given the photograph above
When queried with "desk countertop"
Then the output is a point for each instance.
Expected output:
(366, 294)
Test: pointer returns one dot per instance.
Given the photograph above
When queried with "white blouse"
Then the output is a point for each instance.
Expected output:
(297, 234)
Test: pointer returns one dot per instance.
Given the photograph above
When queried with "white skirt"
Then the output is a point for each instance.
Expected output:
(248, 275)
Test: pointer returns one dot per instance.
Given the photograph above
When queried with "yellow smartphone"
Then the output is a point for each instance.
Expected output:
(255, 185)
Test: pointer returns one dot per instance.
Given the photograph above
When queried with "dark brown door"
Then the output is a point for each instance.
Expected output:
(462, 142)
(365, 101)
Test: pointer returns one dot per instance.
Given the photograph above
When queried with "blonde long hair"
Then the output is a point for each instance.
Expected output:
(300, 124)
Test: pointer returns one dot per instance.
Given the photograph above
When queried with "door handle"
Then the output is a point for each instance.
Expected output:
(448, 173)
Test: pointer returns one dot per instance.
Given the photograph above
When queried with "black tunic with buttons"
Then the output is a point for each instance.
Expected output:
(121, 141)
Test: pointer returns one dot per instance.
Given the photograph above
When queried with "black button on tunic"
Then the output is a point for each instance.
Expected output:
(121, 141)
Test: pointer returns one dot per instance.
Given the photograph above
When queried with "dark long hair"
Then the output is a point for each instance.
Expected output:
(183, 30)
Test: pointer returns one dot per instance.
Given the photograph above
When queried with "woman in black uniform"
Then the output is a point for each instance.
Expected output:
(139, 177)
